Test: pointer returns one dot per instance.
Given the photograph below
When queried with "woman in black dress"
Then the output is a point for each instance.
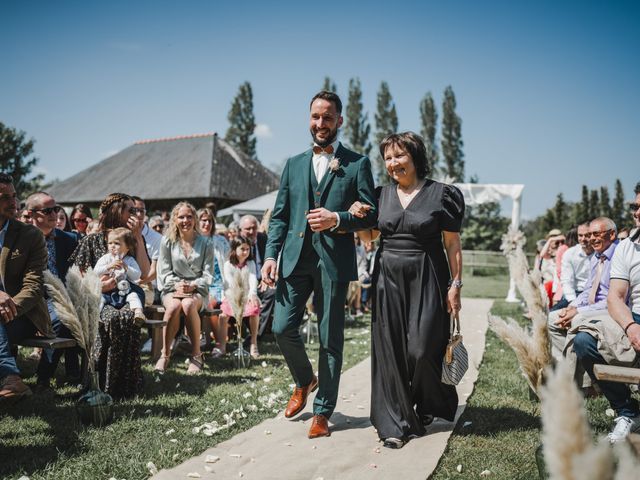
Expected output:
(118, 348)
(416, 287)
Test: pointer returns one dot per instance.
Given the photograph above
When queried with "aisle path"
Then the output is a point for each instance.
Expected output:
(352, 451)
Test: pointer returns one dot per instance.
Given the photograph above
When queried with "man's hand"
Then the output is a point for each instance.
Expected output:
(8, 309)
(565, 317)
(268, 272)
(321, 219)
(633, 333)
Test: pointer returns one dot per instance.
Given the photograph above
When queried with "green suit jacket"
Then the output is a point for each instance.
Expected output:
(337, 191)
(23, 260)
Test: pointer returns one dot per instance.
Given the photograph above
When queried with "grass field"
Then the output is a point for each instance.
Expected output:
(504, 428)
(43, 439)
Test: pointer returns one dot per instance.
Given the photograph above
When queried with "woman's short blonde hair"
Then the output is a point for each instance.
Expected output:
(173, 232)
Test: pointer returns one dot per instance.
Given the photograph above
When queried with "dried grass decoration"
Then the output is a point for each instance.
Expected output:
(78, 306)
(532, 345)
(237, 293)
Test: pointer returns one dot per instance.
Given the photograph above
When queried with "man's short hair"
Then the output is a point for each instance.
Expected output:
(329, 97)
(248, 217)
(637, 189)
(6, 178)
(607, 222)
(31, 199)
(137, 199)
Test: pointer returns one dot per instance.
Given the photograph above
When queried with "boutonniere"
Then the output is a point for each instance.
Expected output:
(334, 164)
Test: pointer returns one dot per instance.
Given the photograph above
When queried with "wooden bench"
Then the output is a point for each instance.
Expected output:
(43, 342)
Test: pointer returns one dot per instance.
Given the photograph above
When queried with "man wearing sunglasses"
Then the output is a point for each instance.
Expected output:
(23, 310)
(60, 245)
(623, 304)
(592, 302)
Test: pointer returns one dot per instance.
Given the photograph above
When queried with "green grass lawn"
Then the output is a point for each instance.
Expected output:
(44, 440)
(494, 286)
(499, 430)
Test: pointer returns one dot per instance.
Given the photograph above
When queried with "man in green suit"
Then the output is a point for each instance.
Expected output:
(310, 229)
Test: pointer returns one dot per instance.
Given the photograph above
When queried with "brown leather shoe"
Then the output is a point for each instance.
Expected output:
(299, 398)
(12, 387)
(319, 427)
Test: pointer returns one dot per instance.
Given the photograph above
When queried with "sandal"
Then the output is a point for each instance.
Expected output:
(255, 354)
(217, 353)
(196, 364)
(393, 442)
(162, 364)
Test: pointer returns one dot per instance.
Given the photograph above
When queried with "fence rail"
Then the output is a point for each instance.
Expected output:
(481, 259)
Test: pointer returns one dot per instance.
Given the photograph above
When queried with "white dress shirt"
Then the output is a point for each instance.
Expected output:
(574, 271)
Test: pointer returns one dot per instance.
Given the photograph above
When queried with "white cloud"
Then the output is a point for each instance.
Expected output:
(263, 130)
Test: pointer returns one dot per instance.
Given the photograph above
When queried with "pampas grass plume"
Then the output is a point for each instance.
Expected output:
(595, 463)
(628, 463)
(64, 307)
(565, 431)
(237, 293)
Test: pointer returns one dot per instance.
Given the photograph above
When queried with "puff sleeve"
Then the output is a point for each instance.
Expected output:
(452, 208)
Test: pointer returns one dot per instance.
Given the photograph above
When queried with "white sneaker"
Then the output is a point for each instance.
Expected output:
(624, 426)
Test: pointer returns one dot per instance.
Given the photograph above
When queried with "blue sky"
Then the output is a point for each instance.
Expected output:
(547, 91)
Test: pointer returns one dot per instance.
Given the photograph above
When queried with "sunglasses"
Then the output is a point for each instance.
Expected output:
(634, 207)
(47, 211)
(135, 211)
(597, 234)
(79, 220)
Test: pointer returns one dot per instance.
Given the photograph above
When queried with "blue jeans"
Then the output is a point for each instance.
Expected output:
(13, 332)
(50, 356)
(618, 394)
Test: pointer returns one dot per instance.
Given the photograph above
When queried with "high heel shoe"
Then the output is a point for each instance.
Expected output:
(162, 364)
(196, 364)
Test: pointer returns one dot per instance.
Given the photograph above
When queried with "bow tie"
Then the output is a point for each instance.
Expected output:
(318, 150)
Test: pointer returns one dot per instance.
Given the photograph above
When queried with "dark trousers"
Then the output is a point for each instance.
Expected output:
(292, 294)
(618, 394)
(267, 304)
(50, 356)
(12, 332)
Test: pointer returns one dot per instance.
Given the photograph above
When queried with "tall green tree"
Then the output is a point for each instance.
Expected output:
(561, 214)
(605, 202)
(429, 119)
(583, 208)
(618, 213)
(594, 204)
(17, 159)
(386, 123)
(242, 122)
(357, 128)
(483, 227)
(329, 85)
(452, 137)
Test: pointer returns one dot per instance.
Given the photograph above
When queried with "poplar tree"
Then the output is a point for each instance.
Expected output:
(452, 138)
(242, 122)
(357, 128)
(605, 202)
(386, 123)
(594, 204)
(583, 209)
(329, 85)
(429, 119)
(618, 213)
(560, 213)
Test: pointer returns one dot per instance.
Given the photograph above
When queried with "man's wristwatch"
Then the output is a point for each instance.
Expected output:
(455, 283)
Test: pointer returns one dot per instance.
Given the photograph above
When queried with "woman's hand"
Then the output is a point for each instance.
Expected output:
(359, 209)
(135, 226)
(254, 301)
(108, 283)
(453, 301)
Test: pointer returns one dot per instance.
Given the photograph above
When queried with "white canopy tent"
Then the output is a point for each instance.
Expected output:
(474, 194)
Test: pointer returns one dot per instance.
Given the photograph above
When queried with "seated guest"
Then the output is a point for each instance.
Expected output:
(79, 219)
(574, 271)
(60, 245)
(62, 221)
(625, 284)
(184, 276)
(593, 300)
(157, 224)
(23, 310)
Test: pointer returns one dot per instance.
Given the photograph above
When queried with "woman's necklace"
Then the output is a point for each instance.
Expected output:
(186, 246)
(407, 194)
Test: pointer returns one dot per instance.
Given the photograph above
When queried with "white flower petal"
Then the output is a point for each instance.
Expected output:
(152, 468)
(194, 475)
(212, 459)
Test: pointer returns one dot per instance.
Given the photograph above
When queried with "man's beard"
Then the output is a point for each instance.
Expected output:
(327, 142)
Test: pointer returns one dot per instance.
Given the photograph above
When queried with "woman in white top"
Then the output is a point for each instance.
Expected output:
(184, 276)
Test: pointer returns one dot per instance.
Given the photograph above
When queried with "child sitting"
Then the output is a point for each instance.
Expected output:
(121, 265)
(240, 258)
